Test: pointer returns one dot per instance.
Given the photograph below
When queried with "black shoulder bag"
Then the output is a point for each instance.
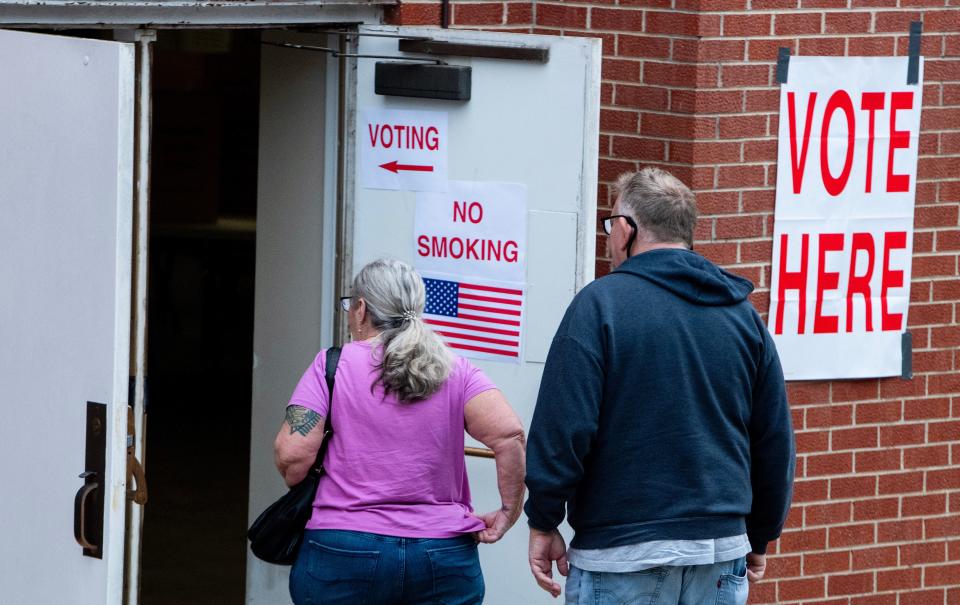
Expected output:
(276, 535)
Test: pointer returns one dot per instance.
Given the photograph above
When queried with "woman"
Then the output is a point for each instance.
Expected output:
(392, 520)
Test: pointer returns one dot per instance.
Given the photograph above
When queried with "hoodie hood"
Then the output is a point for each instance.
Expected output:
(689, 276)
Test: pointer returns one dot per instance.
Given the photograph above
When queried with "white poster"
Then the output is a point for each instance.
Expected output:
(843, 226)
(478, 318)
(470, 245)
(403, 150)
(477, 229)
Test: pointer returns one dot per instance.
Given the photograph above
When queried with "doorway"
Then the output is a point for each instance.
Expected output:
(206, 87)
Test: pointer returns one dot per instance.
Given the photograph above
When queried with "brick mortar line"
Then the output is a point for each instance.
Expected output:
(748, 12)
(865, 547)
(852, 547)
(840, 573)
(747, 88)
(918, 469)
(751, 37)
(897, 591)
(847, 524)
(827, 502)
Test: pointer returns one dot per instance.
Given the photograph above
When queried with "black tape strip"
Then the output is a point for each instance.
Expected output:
(913, 65)
(783, 64)
(906, 349)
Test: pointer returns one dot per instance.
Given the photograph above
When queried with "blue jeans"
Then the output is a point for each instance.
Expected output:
(357, 568)
(721, 584)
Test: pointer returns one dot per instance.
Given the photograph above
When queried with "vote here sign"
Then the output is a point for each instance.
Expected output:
(404, 150)
(843, 226)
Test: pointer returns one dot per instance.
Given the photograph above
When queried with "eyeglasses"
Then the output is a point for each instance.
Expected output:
(608, 222)
(608, 226)
(345, 302)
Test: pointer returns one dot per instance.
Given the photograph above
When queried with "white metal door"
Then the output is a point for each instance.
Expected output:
(294, 294)
(66, 172)
(531, 123)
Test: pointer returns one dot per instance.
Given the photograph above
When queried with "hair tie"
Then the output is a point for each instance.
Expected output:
(408, 316)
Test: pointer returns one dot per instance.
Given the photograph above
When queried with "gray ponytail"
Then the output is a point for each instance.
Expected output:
(414, 362)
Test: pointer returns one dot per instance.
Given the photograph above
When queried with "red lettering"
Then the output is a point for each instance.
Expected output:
(463, 211)
(860, 284)
(892, 240)
(383, 136)
(510, 252)
(475, 217)
(467, 248)
(871, 101)
(838, 100)
(899, 139)
(796, 165)
(472, 248)
(439, 246)
(456, 241)
(793, 281)
(826, 280)
(459, 211)
(493, 249)
(403, 136)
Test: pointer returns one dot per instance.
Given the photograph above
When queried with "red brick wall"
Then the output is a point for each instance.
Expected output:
(689, 85)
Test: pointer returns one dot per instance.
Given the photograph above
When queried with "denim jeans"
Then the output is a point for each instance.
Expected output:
(357, 568)
(719, 584)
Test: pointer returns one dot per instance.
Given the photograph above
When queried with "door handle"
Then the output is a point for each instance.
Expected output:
(135, 472)
(80, 511)
(478, 452)
(88, 503)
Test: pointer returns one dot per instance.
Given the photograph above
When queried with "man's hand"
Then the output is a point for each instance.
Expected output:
(497, 522)
(545, 548)
(756, 565)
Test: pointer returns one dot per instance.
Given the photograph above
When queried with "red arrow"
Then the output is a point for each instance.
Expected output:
(395, 167)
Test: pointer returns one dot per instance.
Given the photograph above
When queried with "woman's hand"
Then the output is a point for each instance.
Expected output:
(497, 522)
(489, 419)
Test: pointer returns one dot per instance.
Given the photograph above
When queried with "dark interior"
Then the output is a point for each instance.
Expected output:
(200, 335)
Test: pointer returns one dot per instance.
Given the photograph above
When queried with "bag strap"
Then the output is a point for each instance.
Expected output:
(333, 358)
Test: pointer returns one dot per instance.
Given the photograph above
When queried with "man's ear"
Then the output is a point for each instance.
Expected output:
(630, 238)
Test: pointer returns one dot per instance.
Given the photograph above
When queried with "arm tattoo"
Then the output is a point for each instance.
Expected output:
(301, 420)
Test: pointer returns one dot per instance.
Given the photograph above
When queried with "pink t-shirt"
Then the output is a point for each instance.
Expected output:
(392, 468)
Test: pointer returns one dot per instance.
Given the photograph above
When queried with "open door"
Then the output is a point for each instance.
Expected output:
(66, 190)
(531, 122)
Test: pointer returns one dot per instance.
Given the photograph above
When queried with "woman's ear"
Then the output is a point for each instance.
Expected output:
(361, 310)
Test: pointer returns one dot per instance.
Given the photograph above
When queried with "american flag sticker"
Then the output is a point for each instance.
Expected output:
(476, 319)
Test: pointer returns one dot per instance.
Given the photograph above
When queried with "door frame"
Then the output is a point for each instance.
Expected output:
(166, 14)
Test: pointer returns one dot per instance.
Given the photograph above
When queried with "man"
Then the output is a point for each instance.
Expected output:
(662, 422)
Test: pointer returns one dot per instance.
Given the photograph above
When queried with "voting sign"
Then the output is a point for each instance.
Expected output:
(843, 226)
(403, 150)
